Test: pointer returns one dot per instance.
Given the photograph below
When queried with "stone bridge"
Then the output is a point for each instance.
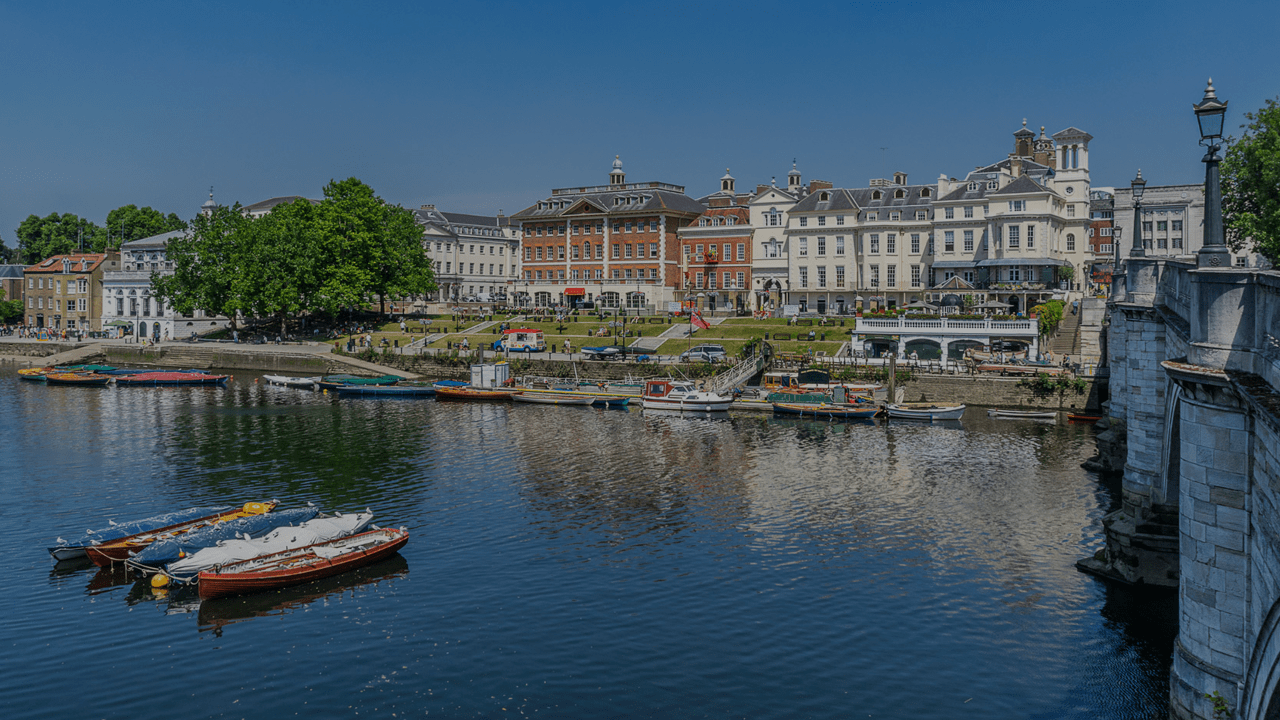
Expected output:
(1194, 356)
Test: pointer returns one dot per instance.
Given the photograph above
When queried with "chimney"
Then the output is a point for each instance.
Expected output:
(819, 185)
(1015, 167)
(944, 185)
(428, 207)
(761, 188)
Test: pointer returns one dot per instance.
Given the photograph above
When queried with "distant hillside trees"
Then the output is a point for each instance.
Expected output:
(299, 258)
(54, 234)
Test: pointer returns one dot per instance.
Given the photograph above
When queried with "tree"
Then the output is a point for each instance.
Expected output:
(54, 234)
(210, 264)
(1251, 185)
(377, 248)
(9, 309)
(287, 275)
(130, 222)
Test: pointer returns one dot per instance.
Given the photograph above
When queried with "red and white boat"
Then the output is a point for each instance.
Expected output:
(681, 396)
(300, 565)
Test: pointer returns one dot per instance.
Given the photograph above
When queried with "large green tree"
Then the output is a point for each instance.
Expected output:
(54, 234)
(210, 263)
(130, 222)
(1251, 185)
(9, 309)
(376, 248)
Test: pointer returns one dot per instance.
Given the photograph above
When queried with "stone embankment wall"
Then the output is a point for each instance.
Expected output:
(1000, 392)
(36, 349)
(225, 358)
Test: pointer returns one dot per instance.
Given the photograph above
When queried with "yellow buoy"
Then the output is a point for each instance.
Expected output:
(255, 508)
(159, 580)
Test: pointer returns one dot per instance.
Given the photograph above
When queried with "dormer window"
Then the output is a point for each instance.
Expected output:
(825, 196)
(925, 193)
(876, 195)
(702, 222)
(732, 220)
(899, 193)
(993, 184)
(973, 186)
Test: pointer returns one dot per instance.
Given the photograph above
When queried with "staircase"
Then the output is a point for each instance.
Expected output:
(1066, 341)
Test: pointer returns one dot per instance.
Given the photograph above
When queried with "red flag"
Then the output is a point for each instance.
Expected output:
(696, 319)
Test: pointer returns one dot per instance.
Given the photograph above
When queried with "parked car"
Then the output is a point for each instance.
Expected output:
(605, 352)
(704, 353)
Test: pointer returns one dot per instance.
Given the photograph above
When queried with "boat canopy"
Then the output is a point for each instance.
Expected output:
(166, 551)
(115, 531)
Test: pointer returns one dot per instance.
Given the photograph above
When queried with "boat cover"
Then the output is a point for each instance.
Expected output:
(451, 383)
(115, 531)
(278, 540)
(163, 552)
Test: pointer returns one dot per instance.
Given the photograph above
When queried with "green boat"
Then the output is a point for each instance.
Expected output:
(333, 382)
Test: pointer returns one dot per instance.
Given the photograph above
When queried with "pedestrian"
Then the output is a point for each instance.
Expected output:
(403, 326)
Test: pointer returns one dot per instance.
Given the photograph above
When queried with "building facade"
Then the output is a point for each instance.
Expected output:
(716, 253)
(1102, 206)
(64, 292)
(614, 244)
(11, 281)
(131, 310)
(474, 257)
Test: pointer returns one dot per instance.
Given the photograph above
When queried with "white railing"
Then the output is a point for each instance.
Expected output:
(943, 325)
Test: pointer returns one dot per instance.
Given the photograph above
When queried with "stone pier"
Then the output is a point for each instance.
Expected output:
(1194, 356)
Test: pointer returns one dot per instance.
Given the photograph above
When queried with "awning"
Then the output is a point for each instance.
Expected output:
(575, 291)
(120, 323)
(1021, 261)
(950, 264)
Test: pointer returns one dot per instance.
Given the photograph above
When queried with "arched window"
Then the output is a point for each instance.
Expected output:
(876, 195)
(925, 192)
(825, 196)
(900, 193)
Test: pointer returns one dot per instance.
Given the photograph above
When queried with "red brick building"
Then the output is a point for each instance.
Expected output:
(715, 253)
(1101, 227)
(615, 244)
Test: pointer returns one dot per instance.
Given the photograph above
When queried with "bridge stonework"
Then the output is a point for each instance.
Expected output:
(1195, 369)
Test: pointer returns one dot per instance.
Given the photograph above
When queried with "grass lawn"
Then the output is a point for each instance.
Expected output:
(679, 345)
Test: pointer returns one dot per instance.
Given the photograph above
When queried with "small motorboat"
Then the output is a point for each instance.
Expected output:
(84, 379)
(71, 549)
(1023, 414)
(119, 549)
(545, 398)
(310, 532)
(682, 396)
(305, 383)
(300, 565)
(924, 411)
(1083, 418)
(151, 379)
(400, 389)
(826, 410)
(470, 393)
(333, 382)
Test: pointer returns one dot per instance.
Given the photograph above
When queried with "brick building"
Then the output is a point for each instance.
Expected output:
(715, 252)
(616, 244)
(1102, 206)
(65, 291)
(11, 281)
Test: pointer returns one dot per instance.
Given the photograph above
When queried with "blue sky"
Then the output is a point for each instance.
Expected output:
(477, 107)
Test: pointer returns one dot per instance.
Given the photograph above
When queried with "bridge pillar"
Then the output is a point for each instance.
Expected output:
(1210, 654)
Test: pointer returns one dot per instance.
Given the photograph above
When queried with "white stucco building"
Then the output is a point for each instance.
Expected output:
(475, 257)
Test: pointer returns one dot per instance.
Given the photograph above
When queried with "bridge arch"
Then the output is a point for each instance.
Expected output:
(1262, 681)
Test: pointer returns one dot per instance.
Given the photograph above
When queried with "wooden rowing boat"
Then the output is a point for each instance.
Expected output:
(553, 398)
(470, 393)
(300, 565)
(1083, 418)
(305, 383)
(1023, 414)
(400, 389)
(151, 379)
(924, 411)
(825, 410)
(34, 374)
(120, 549)
(86, 379)
(71, 549)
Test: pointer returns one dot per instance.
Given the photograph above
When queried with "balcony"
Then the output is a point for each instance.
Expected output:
(944, 326)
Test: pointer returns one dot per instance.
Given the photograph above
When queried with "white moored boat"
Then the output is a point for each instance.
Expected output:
(924, 411)
(553, 398)
(682, 396)
(1023, 414)
(310, 383)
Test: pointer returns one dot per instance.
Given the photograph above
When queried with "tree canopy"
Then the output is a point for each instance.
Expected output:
(54, 234)
(300, 257)
(1251, 185)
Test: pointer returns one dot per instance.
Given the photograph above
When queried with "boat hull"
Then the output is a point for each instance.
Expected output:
(1023, 414)
(226, 581)
(697, 406)
(305, 383)
(152, 379)
(826, 411)
(117, 551)
(474, 394)
(386, 390)
(925, 414)
(79, 379)
(552, 399)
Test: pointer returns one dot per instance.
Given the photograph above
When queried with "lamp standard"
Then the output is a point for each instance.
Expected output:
(1116, 233)
(1138, 186)
(1210, 113)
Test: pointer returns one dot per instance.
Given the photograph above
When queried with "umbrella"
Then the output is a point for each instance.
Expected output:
(922, 305)
(120, 323)
(993, 305)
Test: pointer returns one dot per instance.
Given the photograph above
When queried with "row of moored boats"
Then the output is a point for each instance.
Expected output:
(103, 375)
(236, 550)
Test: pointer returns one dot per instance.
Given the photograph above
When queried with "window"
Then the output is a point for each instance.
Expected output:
(930, 250)
(600, 251)
(628, 226)
(891, 275)
(1071, 211)
(559, 274)
(577, 229)
(1162, 243)
(728, 279)
(803, 246)
(653, 273)
(698, 249)
(1162, 225)
(839, 276)
(915, 276)
(1177, 242)
(575, 252)
(822, 246)
(1146, 226)
(448, 267)
(875, 243)
(653, 226)
(539, 253)
(915, 243)
(771, 249)
(1104, 248)
(626, 251)
(839, 219)
(1177, 226)
(653, 250)
(968, 211)
(872, 216)
(1242, 261)
(875, 276)
(1017, 205)
(890, 243)
(822, 276)
(742, 252)
(539, 231)
(627, 273)
(949, 213)
(1015, 236)
(699, 281)
(922, 215)
(559, 252)
(839, 245)
(948, 241)
(968, 241)
(773, 217)
(1015, 275)
(822, 221)
(804, 222)
(1031, 237)
(617, 250)
(1071, 242)
(617, 227)
(804, 277)
(472, 269)
(742, 278)
(895, 216)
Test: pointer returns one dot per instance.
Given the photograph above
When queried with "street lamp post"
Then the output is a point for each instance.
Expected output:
(1138, 186)
(1210, 113)
(1116, 233)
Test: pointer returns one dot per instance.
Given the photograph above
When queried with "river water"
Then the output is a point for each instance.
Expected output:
(574, 563)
